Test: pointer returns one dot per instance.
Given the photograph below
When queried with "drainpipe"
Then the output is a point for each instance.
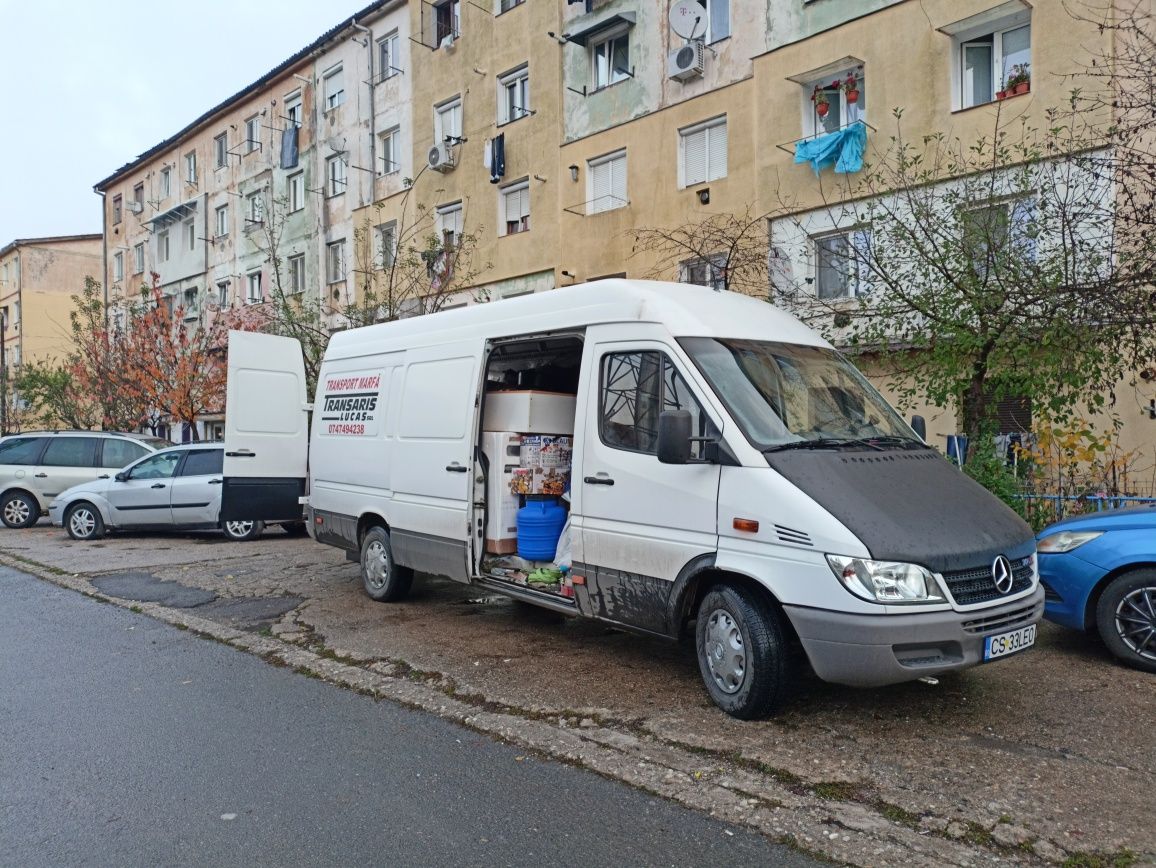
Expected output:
(372, 113)
(103, 249)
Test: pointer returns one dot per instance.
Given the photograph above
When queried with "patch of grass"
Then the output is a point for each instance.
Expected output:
(136, 609)
(978, 836)
(266, 631)
(896, 814)
(180, 626)
(836, 791)
(1119, 859)
(308, 673)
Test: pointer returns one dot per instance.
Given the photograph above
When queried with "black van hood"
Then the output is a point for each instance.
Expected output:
(909, 505)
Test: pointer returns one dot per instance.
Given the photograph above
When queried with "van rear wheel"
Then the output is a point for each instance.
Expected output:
(384, 580)
(741, 652)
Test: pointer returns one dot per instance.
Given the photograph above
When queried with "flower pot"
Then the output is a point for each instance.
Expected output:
(1001, 94)
(1022, 87)
(822, 108)
(852, 96)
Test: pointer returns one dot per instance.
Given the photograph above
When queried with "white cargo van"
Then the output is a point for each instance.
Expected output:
(730, 472)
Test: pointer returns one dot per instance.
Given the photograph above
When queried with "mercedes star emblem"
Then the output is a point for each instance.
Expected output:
(1001, 572)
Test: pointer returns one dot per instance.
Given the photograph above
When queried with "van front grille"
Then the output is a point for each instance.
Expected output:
(1006, 621)
(969, 587)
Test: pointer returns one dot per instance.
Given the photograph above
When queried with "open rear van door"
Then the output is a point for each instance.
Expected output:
(266, 429)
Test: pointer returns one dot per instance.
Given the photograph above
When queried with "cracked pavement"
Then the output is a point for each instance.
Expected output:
(1039, 758)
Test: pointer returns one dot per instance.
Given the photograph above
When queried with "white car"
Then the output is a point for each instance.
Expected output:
(174, 488)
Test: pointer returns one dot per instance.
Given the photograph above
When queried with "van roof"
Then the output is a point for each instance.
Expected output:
(685, 311)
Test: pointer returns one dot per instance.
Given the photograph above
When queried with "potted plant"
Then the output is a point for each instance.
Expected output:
(850, 86)
(822, 104)
(1019, 80)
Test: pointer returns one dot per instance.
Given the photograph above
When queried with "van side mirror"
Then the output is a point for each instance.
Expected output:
(919, 427)
(674, 437)
(121, 476)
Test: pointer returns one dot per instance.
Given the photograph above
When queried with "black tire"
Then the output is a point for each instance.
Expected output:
(83, 522)
(295, 528)
(242, 531)
(742, 655)
(1126, 618)
(383, 580)
(19, 509)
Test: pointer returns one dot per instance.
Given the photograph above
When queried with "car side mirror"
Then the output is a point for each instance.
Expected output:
(674, 442)
(919, 427)
(121, 477)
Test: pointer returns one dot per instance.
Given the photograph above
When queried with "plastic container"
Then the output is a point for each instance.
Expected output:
(539, 527)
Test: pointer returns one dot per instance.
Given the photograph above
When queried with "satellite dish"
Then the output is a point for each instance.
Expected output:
(688, 19)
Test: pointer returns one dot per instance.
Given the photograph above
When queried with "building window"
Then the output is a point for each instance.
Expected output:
(843, 264)
(987, 60)
(388, 59)
(389, 149)
(117, 209)
(293, 111)
(223, 294)
(334, 88)
(138, 258)
(297, 274)
(836, 100)
(166, 182)
(252, 134)
(507, 5)
(718, 19)
(710, 271)
(253, 288)
(221, 150)
(191, 167)
(254, 210)
(296, 185)
(138, 197)
(190, 228)
(449, 224)
(222, 213)
(118, 266)
(335, 261)
(387, 243)
(189, 302)
(610, 57)
(448, 120)
(514, 95)
(606, 183)
(447, 22)
(703, 152)
(163, 246)
(996, 231)
(515, 207)
(335, 175)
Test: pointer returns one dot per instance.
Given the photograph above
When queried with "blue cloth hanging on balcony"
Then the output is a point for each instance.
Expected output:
(843, 149)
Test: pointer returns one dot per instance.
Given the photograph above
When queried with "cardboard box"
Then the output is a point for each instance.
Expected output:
(529, 412)
(503, 451)
(547, 450)
(551, 480)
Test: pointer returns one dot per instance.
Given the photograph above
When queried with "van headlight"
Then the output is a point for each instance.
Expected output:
(886, 581)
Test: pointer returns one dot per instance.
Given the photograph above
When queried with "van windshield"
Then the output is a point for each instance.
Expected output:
(791, 396)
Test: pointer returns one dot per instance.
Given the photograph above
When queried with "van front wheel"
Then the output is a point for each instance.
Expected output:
(384, 581)
(741, 652)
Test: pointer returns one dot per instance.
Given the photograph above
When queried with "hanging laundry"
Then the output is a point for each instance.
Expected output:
(498, 158)
(289, 146)
(487, 154)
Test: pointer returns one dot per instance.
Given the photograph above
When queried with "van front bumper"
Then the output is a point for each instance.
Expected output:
(873, 650)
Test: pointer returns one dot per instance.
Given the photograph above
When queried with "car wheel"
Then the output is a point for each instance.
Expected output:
(295, 528)
(19, 509)
(83, 522)
(384, 580)
(741, 652)
(240, 531)
(1126, 618)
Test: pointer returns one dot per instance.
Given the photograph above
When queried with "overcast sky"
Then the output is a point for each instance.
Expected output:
(88, 86)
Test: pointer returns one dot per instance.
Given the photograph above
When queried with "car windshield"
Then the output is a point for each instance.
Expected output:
(787, 396)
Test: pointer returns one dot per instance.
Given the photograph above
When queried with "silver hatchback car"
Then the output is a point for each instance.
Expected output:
(38, 465)
(175, 488)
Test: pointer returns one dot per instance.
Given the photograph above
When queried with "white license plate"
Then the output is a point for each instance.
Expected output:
(1003, 644)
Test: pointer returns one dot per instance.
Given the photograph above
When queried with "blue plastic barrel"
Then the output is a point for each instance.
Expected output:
(539, 527)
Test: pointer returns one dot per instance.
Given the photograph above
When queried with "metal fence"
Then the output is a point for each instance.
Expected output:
(1067, 505)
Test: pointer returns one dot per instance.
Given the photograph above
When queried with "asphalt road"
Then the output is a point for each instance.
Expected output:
(128, 742)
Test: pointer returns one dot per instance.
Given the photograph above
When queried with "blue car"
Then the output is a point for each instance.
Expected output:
(1099, 572)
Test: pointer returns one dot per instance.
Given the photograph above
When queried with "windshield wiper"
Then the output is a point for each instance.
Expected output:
(824, 443)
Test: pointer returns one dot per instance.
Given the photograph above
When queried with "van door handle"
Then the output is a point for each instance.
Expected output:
(41, 475)
(240, 454)
(214, 482)
(157, 485)
(456, 468)
(598, 480)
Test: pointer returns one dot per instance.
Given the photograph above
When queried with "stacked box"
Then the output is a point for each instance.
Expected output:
(502, 450)
(548, 458)
(529, 412)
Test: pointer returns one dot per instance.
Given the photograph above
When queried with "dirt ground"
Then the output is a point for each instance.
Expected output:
(1043, 757)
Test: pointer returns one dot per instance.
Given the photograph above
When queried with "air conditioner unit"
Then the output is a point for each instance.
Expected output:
(686, 62)
(135, 207)
(441, 157)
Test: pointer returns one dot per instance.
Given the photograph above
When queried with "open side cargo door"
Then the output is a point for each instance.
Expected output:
(266, 429)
